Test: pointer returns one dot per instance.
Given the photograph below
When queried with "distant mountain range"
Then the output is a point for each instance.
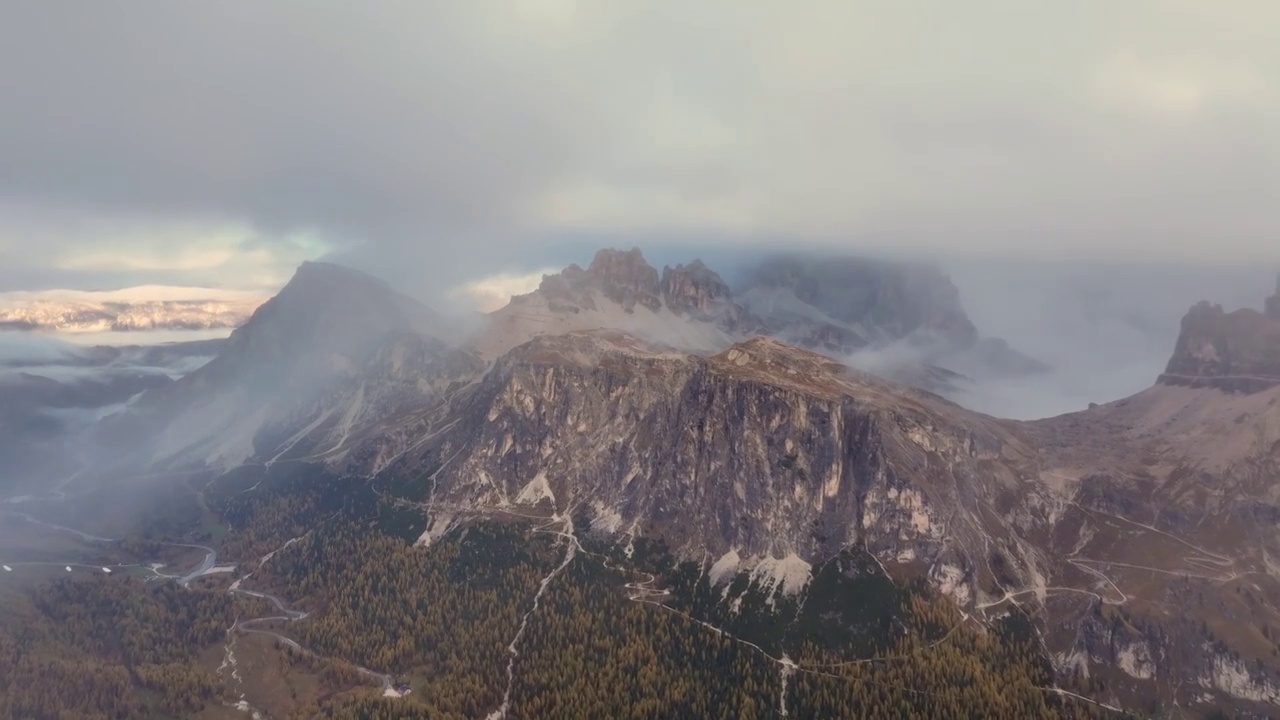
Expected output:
(142, 308)
(1141, 535)
(901, 320)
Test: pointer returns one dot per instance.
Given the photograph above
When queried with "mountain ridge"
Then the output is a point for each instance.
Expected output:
(764, 458)
(690, 306)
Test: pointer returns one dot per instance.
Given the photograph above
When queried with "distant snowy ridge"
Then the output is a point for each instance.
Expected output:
(151, 307)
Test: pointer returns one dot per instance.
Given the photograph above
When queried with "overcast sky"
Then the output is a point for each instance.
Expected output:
(220, 143)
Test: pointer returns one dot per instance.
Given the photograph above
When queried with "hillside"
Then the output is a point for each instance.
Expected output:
(1134, 542)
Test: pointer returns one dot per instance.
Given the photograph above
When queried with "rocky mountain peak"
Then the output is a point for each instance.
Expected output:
(1236, 351)
(838, 305)
(626, 278)
(328, 307)
(623, 277)
(312, 272)
(697, 291)
(324, 322)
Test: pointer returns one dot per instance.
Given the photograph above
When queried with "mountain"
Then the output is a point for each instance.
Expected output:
(650, 416)
(763, 455)
(857, 301)
(899, 320)
(1236, 351)
(687, 307)
(903, 310)
(1141, 533)
(334, 350)
(1172, 508)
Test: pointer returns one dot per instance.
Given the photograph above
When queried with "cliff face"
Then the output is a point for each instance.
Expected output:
(688, 307)
(695, 291)
(626, 279)
(1143, 534)
(770, 459)
(835, 305)
(762, 456)
(1237, 351)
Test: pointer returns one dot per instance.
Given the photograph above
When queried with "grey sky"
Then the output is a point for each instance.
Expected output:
(224, 142)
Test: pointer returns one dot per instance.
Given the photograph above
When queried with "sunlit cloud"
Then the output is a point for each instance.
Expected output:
(493, 292)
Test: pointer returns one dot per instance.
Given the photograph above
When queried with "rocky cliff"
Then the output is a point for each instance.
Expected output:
(1237, 351)
(1128, 531)
(697, 292)
(763, 455)
(908, 313)
(1140, 535)
(687, 307)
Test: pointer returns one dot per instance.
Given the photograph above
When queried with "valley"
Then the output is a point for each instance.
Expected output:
(745, 528)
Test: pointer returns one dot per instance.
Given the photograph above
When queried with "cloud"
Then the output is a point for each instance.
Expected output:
(428, 139)
(44, 247)
(139, 294)
(492, 292)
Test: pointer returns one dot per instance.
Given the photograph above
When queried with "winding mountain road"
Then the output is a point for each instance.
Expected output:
(208, 563)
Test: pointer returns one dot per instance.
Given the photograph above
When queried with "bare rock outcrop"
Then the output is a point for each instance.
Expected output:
(626, 278)
(696, 291)
(1236, 351)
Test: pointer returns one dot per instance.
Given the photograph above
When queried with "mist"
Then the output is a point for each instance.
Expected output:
(53, 393)
(1106, 329)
